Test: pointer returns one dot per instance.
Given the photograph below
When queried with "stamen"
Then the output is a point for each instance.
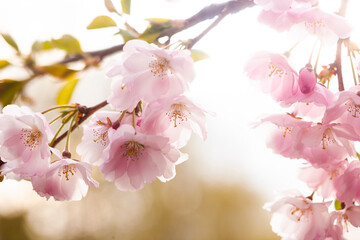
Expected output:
(160, 66)
(31, 138)
(133, 150)
(274, 70)
(353, 108)
(315, 26)
(286, 130)
(100, 137)
(327, 138)
(178, 113)
(67, 170)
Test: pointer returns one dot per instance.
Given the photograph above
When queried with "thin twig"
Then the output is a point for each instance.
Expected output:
(88, 112)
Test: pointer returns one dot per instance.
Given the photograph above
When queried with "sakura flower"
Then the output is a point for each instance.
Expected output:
(95, 138)
(325, 145)
(275, 73)
(284, 135)
(327, 27)
(24, 137)
(174, 118)
(299, 218)
(322, 181)
(274, 6)
(130, 160)
(148, 73)
(348, 184)
(346, 109)
(66, 179)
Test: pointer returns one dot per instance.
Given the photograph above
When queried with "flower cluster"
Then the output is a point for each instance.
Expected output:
(320, 128)
(134, 144)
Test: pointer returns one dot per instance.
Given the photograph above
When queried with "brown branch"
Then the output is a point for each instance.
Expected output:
(337, 63)
(87, 112)
(208, 12)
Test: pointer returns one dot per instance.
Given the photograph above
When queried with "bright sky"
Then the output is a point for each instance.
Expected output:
(234, 151)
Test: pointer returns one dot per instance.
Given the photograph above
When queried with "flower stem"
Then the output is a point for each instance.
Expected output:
(69, 131)
(57, 107)
(353, 69)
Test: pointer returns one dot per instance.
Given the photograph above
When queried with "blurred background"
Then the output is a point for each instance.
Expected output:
(220, 191)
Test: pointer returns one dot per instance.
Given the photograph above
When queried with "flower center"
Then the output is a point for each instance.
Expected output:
(31, 138)
(67, 171)
(285, 130)
(133, 150)
(159, 66)
(275, 71)
(327, 138)
(100, 137)
(178, 113)
(315, 26)
(353, 108)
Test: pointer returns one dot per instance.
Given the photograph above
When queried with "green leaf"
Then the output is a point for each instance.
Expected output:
(59, 71)
(110, 6)
(125, 4)
(4, 64)
(10, 41)
(68, 43)
(102, 22)
(198, 55)
(127, 35)
(66, 92)
(158, 20)
(338, 205)
(9, 89)
(42, 46)
(154, 29)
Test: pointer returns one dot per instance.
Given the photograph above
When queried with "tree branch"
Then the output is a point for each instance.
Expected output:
(87, 112)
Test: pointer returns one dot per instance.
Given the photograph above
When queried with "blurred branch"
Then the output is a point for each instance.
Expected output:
(337, 63)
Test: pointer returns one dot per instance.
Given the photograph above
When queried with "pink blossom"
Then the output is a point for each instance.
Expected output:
(307, 79)
(274, 5)
(310, 111)
(66, 179)
(327, 27)
(174, 118)
(325, 145)
(95, 138)
(275, 73)
(148, 73)
(130, 160)
(280, 21)
(284, 136)
(299, 218)
(348, 184)
(346, 109)
(24, 137)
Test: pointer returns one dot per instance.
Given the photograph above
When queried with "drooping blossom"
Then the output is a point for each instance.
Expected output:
(348, 184)
(95, 138)
(148, 73)
(346, 109)
(174, 118)
(297, 217)
(283, 138)
(322, 181)
(130, 160)
(24, 139)
(65, 180)
(275, 74)
(325, 145)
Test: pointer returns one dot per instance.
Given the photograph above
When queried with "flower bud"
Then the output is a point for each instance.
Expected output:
(307, 79)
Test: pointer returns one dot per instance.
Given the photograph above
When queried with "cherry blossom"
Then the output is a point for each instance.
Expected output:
(174, 118)
(307, 79)
(148, 73)
(132, 159)
(65, 180)
(348, 184)
(299, 218)
(24, 137)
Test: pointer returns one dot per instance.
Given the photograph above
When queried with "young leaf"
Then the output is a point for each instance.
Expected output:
(110, 6)
(66, 92)
(41, 46)
(198, 55)
(68, 43)
(155, 28)
(125, 4)
(127, 35)
(9, 89)
(10, 41)
(102, 22)
(59, 71)
(3, 64)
